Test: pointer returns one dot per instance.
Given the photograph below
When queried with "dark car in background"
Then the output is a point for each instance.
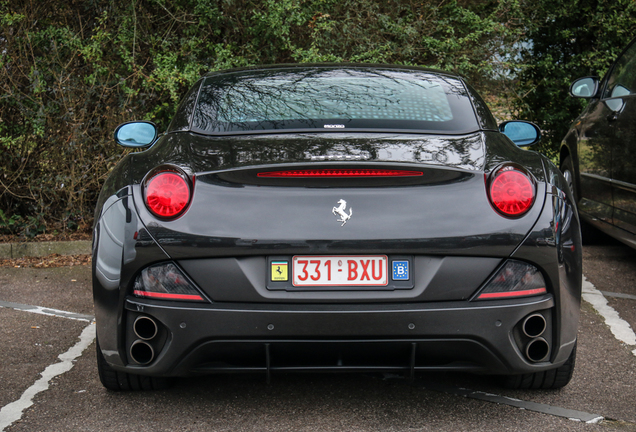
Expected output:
(335, 218)
(598, 155)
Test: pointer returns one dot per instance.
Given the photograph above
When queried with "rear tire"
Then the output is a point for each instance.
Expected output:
(547, 380)
(121, 381)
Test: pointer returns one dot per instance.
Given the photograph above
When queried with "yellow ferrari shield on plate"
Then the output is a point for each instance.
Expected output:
(279, 271)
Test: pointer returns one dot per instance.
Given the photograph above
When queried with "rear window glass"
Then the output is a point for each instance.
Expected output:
(332, 100)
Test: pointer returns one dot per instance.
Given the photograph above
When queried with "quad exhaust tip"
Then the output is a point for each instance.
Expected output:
(537, 350)
(534, 325)
(145, 328)
(142, 352)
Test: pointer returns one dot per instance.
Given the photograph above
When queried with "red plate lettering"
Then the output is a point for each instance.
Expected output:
(340, 270)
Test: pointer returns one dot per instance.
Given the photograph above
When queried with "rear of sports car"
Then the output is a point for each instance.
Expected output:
(344, 249)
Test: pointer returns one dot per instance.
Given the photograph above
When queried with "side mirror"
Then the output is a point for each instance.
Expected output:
(620, 91)
(522, 133)
(136, 134)
(585, 88)
(615, 105)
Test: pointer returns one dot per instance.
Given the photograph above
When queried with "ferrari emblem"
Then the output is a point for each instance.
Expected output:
(279, 271)
(340, 211)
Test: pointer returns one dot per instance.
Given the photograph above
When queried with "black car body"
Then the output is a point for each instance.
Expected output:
(598, 155)
(335, 218)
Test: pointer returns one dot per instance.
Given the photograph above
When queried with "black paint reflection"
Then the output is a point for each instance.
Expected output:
(205, 154)
(624, 167)
(622, 79)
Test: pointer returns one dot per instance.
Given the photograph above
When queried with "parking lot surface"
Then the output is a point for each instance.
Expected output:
(602, 391)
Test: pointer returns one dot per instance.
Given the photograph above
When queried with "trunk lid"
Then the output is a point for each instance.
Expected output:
(235, 212)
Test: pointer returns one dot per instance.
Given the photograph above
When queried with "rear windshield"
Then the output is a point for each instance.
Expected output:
(332, 100)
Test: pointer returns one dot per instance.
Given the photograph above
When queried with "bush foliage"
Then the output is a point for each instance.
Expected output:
(567, 40)
(72, 70)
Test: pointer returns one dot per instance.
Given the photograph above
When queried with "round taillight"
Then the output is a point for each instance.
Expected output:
(511, 192)
(167, 194)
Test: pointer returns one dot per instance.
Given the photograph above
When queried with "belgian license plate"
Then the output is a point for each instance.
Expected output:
(340, 270)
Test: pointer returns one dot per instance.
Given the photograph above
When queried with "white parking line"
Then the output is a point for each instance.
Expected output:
(46, 311)
(618, 295)
(618, 326)
(13, 411)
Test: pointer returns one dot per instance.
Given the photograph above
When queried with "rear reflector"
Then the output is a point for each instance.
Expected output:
(167, 296)
(509, 294)
(323, 173)
(514, 279)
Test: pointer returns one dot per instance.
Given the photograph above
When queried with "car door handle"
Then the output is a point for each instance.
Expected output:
(612, 117)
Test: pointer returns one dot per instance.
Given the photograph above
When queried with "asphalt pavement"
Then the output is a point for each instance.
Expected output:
(44, 312)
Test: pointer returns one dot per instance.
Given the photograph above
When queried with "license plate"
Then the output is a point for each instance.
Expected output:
(345, 270)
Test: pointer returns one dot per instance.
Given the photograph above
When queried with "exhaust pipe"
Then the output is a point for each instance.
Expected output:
(537, 350)
(534, 325)
(141, 352)
(145, 328)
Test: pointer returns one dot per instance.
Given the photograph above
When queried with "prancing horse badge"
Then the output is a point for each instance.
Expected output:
(341, 211)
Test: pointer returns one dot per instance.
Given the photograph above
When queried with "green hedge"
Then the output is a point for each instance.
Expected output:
(567, 40)
(72, 70)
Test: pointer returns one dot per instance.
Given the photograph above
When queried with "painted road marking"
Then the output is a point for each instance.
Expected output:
(46, 311)
(13, 411)
(619, 327)
(570, 414)
(618, 295)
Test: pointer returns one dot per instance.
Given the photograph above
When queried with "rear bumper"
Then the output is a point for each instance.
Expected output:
(479, 337)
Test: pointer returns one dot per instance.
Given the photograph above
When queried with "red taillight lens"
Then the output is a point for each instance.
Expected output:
(330, 172)
(511, 192)
(167, 194)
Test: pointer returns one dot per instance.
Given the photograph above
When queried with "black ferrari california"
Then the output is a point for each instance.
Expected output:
(335, 218)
